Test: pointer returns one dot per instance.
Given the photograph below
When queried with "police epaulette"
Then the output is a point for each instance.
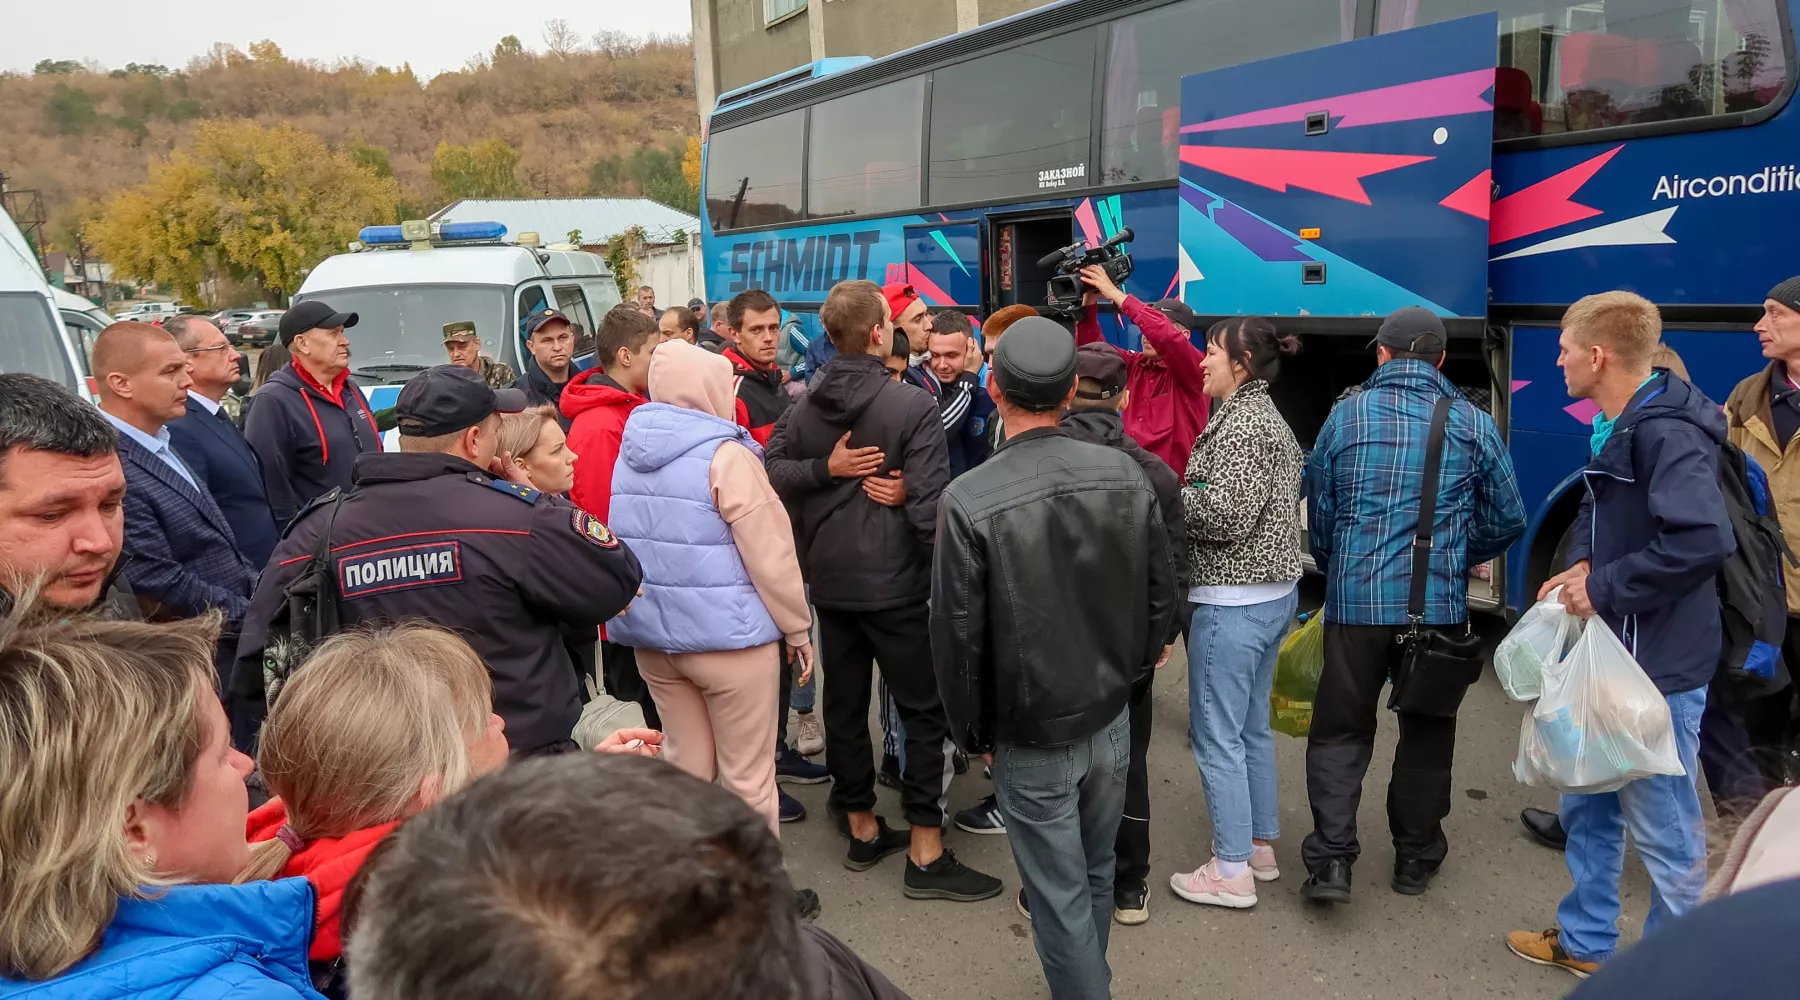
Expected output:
(322, 500)
(518, 491)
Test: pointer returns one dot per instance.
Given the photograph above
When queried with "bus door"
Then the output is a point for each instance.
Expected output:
(1346, 181)
(943, 262)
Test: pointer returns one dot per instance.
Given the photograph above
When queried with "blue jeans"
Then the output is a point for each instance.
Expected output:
(1062, 806)
(1231, 667)
(1663, 815)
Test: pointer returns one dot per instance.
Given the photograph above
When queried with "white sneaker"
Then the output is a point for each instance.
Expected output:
(809, 736)
(1203, 885)
(1262, 863)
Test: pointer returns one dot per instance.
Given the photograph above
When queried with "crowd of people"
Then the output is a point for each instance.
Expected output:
(1010, 525)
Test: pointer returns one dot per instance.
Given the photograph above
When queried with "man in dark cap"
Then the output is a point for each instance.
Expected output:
(441, 531)
(311, 420)
(550, 337)
(1366, 478)
(1041, 681)
(1165, 377)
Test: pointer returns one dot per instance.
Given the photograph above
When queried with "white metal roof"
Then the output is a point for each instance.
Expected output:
(599, 219)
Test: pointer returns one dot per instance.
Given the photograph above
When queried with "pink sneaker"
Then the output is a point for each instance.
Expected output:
(1262, 863)
(1203, 885)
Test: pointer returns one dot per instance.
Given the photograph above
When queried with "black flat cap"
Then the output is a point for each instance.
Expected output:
(1035, 363)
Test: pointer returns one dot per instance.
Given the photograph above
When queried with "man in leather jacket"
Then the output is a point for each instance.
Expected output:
(1052, 594)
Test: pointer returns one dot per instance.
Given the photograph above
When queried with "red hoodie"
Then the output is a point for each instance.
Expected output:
(1167, 405)
(598, 407)
(328, 863)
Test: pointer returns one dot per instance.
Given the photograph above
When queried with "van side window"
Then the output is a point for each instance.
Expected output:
(573, 304)
(530, 300)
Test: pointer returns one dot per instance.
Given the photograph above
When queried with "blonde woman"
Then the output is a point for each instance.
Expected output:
(538, 449)
(375, 726)
(122, 823)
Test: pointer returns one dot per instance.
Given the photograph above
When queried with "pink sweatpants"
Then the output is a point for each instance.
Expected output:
(718, 714)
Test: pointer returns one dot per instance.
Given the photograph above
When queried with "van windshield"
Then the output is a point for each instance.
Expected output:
(400, 328)
(30, 341)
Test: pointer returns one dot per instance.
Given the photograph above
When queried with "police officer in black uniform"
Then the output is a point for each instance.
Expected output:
(429, 532)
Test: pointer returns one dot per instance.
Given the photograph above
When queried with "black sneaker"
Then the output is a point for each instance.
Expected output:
(889, 774)
(791, 809)
(806, 903)
(959, 762)
(1131, 904)
(792, 768)
(983, 817)
(1024, 904)
(948, 878)
(866, 854)
(1330, 884)
(1412, 878)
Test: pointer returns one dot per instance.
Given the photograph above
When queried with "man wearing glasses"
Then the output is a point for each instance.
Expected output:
(213, 447)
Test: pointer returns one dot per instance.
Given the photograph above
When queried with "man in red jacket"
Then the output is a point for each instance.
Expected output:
(598, 401)
(760, 385)
(1168, 405)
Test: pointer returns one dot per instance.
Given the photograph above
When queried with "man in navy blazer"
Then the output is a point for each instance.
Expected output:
(183, 556)
(212, 446)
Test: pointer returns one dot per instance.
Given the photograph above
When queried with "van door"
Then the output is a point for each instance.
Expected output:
(1346, 181)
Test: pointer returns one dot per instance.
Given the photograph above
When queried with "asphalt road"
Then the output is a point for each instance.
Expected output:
(1447, 943)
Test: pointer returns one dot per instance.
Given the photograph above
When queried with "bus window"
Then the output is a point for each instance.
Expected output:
(1014, 123)
(865, 151)
(1572, 67)
(753, 173)
(1151, 52)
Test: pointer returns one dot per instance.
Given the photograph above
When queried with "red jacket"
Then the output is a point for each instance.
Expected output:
(328, 863)
(1166, 408)
(598, 407)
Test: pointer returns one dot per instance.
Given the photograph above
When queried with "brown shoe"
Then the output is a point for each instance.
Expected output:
(1545, 948)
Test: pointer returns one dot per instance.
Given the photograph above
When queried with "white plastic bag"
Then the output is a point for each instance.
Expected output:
(1600, 724)
(1539, 640)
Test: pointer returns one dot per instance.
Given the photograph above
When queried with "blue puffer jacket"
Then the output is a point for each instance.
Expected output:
(697, 595)
(1655, 527)
(196, 942)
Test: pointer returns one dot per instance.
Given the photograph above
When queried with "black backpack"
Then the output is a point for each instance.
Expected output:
(311, 611)
(1752, 585)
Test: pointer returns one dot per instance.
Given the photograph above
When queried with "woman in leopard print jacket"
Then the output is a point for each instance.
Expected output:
(1242, 504)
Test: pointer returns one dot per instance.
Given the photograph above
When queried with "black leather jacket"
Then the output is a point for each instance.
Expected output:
(1052, 591)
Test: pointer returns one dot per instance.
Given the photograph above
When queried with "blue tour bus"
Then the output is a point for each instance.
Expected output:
(1322, 163)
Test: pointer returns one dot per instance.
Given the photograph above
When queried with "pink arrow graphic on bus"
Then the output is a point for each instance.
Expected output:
(1338, 175)
(1547, 204)
(1457, 94)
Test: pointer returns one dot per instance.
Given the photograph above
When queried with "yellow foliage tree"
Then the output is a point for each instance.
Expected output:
(482, 170)
(690, 164)
(259, 203)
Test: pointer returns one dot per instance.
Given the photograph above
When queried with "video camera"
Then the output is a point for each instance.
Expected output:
(1066, 288)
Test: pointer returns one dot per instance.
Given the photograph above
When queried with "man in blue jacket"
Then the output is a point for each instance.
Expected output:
(1652, 534)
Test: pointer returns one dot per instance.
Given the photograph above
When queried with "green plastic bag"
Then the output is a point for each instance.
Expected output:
(1297, 669)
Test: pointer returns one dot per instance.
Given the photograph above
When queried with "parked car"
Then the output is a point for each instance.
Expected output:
(150, 312)
(260, 331)
(236, 318)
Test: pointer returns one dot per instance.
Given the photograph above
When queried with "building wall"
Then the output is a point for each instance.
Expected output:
(732, 47)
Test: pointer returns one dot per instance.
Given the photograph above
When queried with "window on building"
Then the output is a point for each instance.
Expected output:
(865, 151)
(775, 10)
(753, 173)
(1572, 67)
(1151, 52)
(1014, 123)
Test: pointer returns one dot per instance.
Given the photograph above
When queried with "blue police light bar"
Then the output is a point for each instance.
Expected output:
(380, 236)
(452, 232)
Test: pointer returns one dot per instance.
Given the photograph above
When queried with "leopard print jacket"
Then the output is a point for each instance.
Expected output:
(1241, 497)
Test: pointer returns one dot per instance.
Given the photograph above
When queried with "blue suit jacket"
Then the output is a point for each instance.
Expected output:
(183, 554)
(223, 461)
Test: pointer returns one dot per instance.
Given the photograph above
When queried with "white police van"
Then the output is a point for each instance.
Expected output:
(32, 338)
(405, 282)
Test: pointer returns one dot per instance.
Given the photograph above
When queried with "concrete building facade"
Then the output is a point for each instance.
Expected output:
(738, 42)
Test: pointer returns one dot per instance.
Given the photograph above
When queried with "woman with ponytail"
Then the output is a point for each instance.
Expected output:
(1242, 505)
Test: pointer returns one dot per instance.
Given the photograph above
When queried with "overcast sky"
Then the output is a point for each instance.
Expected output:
(433, 35)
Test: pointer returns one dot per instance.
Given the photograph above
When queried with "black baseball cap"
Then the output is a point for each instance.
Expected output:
(543, 318)
(450, 398)
(311, 315)
(1102, 364)
(1035, 364)
(1415, 329)
(1178, 313)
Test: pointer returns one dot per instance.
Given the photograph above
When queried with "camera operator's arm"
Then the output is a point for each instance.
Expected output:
(1087, 327)
(1172, 345)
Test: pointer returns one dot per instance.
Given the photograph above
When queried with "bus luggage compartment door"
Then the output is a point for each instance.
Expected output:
(1345, 181)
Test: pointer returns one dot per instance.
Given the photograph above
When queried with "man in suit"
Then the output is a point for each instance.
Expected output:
(212, 446)
(183, 556)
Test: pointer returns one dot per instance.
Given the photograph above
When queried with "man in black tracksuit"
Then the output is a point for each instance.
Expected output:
(868, 567)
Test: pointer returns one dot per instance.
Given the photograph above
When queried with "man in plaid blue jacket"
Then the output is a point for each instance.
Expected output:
(1365, 480)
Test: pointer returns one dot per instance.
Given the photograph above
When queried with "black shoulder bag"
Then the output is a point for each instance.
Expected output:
(1437, 666)
(311, 612)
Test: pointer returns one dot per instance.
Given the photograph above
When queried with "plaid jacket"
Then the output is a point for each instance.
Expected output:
(1364, 482)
